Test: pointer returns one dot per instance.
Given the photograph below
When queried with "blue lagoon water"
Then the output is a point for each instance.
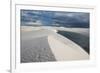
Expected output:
(79, 39)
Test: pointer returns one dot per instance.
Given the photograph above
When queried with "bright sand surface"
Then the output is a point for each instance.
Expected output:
(64, 51)
(61, 47)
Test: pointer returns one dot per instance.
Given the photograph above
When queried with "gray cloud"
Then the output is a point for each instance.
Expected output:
(55, 18)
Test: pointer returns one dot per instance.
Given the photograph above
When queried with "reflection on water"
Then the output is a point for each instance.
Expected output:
(80, 39)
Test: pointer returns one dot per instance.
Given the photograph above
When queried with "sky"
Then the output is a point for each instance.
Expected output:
(54, 18)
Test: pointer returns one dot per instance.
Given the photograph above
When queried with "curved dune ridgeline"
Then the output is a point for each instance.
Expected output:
(78, 38)
(46, 45)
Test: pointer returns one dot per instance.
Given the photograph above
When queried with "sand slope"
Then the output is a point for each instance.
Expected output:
(41, 45)
(65, 52)
(36, 50)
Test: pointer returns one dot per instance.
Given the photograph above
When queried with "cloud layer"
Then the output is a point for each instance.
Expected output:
(54, 18)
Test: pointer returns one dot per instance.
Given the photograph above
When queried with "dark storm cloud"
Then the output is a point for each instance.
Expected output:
(66, 19)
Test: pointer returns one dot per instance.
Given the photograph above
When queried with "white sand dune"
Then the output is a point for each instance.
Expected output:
(64, 51)
(62, 48)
